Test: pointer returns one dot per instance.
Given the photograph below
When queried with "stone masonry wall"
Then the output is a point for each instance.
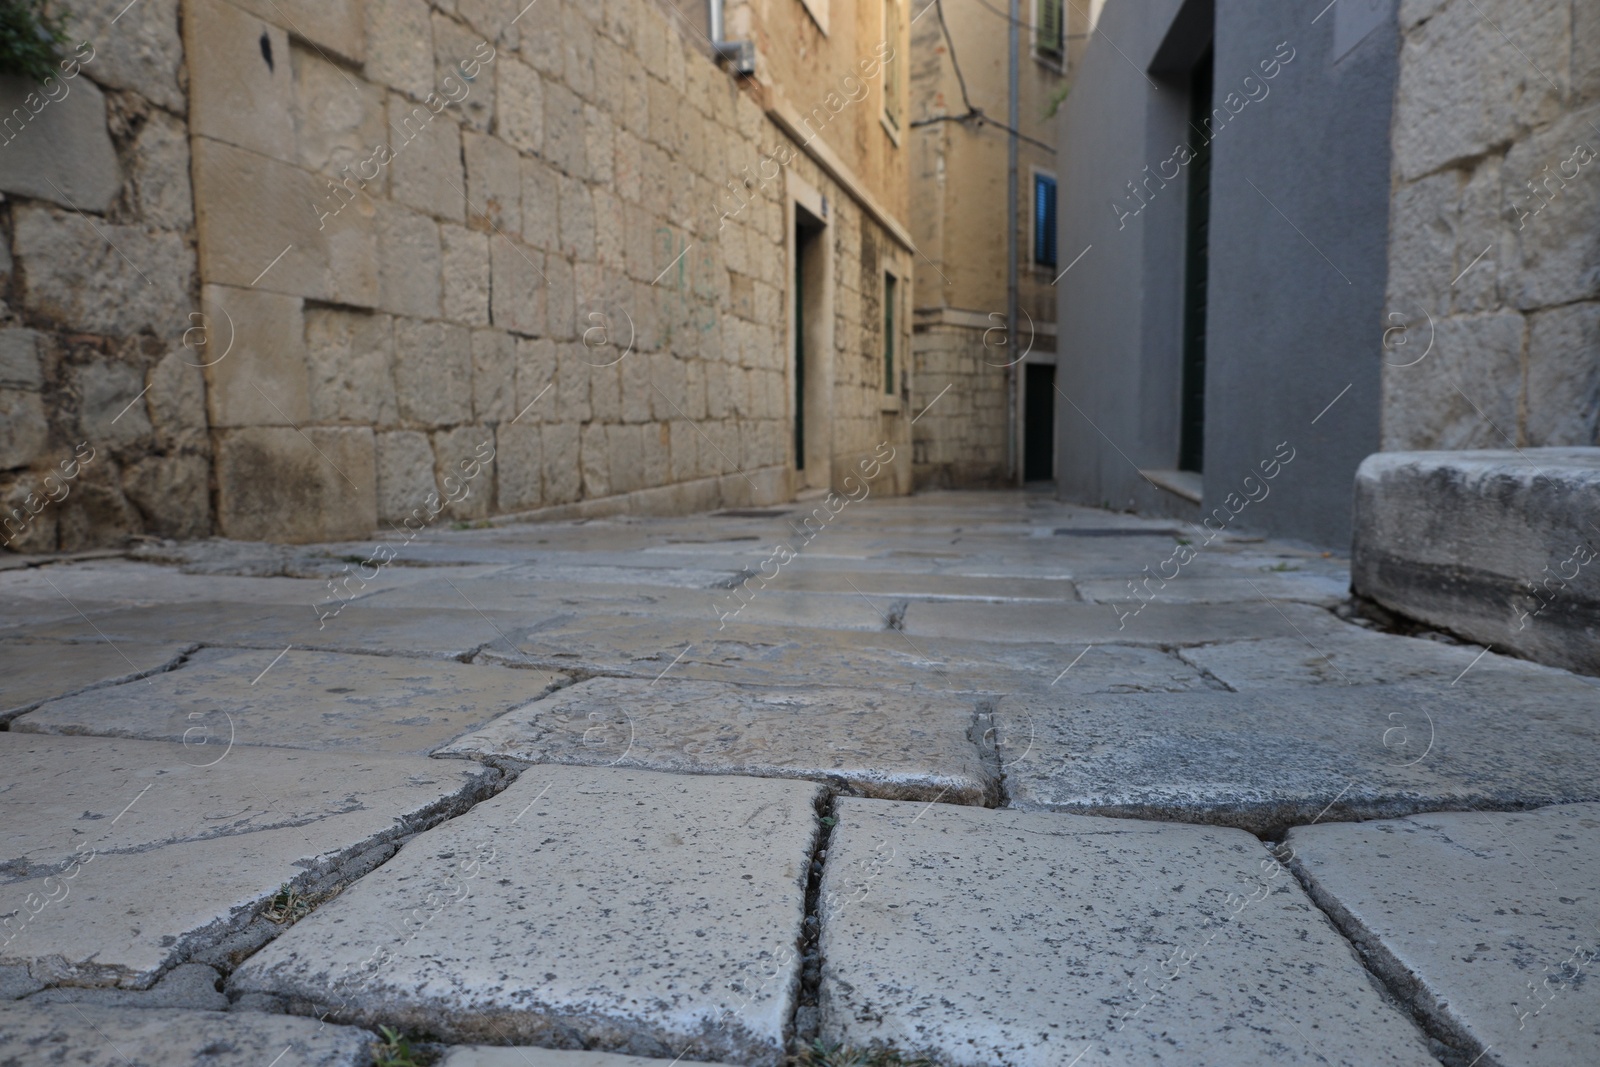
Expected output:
(960, 441)
(102, 410)
(1495, 227)
(417, 236)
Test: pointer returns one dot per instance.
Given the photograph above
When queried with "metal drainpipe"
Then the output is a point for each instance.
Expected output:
(714, 19)
(1013, 373)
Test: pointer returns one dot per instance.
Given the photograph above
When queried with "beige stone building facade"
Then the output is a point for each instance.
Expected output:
(958, 180)
(297, 271)
(1493, 338)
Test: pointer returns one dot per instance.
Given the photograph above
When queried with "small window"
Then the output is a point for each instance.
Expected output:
(1044, 220)
(1049, 31)
(891, 69)
(891, 289)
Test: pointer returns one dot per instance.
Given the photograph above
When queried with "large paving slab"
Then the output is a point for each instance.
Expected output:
(1130, 624)
(1356, 656)
(384, 705)
(33, 672)
(1488, 922)
(1266, 759)
(126, 582)
(621, 910)
(92, 1036)
(120, 859)
(1195, 589)
(444, 631)
(524, 1056)
(870, 742)
(983, 937)
(748, 653)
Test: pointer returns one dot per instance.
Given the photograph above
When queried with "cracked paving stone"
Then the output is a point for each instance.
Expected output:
(980, 937)
(1154, 624)
(33, 672)
(1266, 759)
(1269, 759)
(382, 705)
(614, 909)
(89, 1035)
(445, 632)
(120, 859)
(1489, 922)
(868, 742)
(524, 1056)
(769, 655)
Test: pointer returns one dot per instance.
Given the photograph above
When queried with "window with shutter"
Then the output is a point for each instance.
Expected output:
(1044, 220)
(1049, 28)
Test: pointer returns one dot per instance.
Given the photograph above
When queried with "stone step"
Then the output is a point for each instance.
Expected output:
(36, 671)
(374, 705)
(1489, 923)
(981, 937)
(864, 741)
(88, 1035)
(1499, 546)
(621, 910)
(1266, 759)
(97, 830)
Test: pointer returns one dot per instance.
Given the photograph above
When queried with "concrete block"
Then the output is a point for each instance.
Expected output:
(458, 465)
(1104, 940)
(520, 91)
(433, 372)
(538, 399)
(456, 48)
(241, 79)
(869, 743)
(426, 172)
(71, 274)
(494, 185)
(335, 26)
(541, 211)
(466, 275)
(411, 269)
(400, 45)
(562, 472)
(280, 484)
(339, 122)
(265, 224)
(167, 1035)
(405, 473)
(1265, 759)
(350, 357)
(577, 219)
(619, 949)
(251, 344)
(1465, 392)
(56, 144)
(1552, 205)
(1459, 913)
(24, 430)
(371, 705)
(1563, 401)
(1499, 547)
(494, 367)
(564, 142)
(594, 461)
(518, 284)
(519, 463)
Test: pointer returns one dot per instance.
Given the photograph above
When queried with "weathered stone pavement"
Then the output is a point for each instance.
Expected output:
(961, 778)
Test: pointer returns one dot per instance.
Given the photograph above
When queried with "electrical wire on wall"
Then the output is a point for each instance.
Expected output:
(973, 114)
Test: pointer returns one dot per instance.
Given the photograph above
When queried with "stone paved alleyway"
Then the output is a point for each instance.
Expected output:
(944, 780)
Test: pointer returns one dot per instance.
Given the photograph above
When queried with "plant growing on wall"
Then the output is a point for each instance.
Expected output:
(30, 39)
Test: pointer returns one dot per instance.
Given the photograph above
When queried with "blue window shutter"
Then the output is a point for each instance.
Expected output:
(1044, 220)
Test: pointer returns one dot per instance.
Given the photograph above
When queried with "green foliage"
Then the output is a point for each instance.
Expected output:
(30, 39)
(395, 1051)
(1057, 98)
(822, 1054)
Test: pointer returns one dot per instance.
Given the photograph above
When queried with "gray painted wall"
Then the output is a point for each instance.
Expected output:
(1293, 317)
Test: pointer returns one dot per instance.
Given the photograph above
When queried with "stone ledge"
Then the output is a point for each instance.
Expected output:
(1497, 546)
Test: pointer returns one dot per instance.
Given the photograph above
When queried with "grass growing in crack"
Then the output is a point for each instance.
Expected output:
(821, 1054)
(395, 1050)
(288, 905)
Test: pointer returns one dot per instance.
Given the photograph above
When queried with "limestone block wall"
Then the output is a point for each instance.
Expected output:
(102, 408)
(960, 441)
(1494, 252)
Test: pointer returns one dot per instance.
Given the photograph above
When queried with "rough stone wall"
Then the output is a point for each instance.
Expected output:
(960, 441)
(1495, 227)
(102, 410)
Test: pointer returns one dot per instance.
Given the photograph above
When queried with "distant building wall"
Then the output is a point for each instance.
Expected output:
(1297, 258)
(1494, 258)
(558, 235)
